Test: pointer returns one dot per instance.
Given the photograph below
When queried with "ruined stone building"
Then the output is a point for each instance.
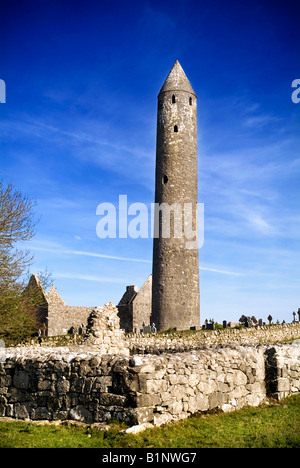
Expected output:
(175, 274)
(135, 307)
(57, 318)
(54, 315)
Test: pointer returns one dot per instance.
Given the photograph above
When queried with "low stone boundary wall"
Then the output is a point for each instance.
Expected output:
(180, 342)
(57, 384)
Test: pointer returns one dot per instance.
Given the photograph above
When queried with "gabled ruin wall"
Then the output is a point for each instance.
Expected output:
(63, 317)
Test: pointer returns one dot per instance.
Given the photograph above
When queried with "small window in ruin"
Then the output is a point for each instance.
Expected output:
(165, 179)
(175, 128)
(191, 101)
(173, 99)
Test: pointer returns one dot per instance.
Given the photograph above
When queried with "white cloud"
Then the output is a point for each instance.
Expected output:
(258, 121)
(223, 272)
(61, 251)
(100, 279)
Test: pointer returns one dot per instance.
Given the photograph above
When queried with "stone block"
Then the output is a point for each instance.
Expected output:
(216, 400)
(77, 385)
(147, 369)
(141, 400)
(202, 402)
(80, 413)
(5, 381)
(44, 385)
(223, 387)
(110, 399)
(21, 411)
(156, 386)
(236, 378)
(175, 407)
(3, 405)
(206, 388)
(160, 419)
(41, 413)
(21, 379)
(256, 388)
(283, 385)
(139, 416)
(238, 392)
(124, 382)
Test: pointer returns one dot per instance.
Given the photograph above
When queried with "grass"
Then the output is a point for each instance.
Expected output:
(268, 426)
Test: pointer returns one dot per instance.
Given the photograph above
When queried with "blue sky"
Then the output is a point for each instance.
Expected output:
(79, 126)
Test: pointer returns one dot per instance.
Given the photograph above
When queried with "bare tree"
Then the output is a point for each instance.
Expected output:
(16, 216)
(17, 224)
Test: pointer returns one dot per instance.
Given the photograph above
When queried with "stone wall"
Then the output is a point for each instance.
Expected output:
(58, 384)
(61, 318)
(180, 342)
(283, 370)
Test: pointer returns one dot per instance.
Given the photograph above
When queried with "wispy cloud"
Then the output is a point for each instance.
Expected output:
(60, 251)
(222, 272)
(93, 142)
(257, 221)
(258, 121)
(43, 130)
(243, 190)
(99, 279)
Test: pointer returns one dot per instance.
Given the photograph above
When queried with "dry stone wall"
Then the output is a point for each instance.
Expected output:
(176, 342)
(59, 383)
(283, 370)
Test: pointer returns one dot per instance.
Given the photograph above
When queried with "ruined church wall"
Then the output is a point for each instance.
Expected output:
(142, 305)
(58, 384)
(62, 317)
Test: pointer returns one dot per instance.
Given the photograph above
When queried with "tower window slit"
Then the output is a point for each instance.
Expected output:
(191, 101)
(173, 99)
(175, 128)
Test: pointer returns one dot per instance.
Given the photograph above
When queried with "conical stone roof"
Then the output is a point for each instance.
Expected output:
(177, 80)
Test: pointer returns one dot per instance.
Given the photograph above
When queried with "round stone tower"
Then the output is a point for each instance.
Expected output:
(175, 281)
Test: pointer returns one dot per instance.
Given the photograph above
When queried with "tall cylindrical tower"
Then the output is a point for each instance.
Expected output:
(175, 275)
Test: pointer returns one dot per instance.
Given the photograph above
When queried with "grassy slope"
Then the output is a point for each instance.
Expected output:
(270, 426)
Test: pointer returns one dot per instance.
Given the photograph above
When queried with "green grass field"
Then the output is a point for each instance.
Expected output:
(268, 426)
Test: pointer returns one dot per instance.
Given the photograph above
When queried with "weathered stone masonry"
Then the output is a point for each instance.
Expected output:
(175, 269)
(52, 312)
(57, 384)
(166, 343)
(134, 308)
